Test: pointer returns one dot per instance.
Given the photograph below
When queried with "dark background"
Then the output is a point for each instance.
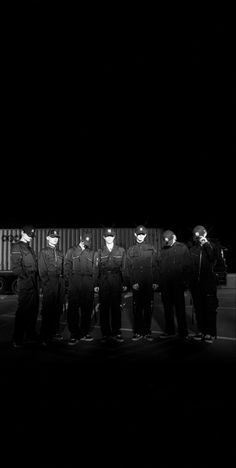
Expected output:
(117, 117)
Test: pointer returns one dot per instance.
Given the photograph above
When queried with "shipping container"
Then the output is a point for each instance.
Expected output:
(68, 238)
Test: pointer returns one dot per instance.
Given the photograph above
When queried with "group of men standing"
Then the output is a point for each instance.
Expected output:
(84, 272)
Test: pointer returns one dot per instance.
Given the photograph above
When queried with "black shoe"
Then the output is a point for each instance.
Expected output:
(17, 344)
(148, 337)
(198, 337)
(73, 341)
(164, 336)
(118, 338)
(87, 338)
(45, 342)
(209, 338)
(136, 337)
(57, 337)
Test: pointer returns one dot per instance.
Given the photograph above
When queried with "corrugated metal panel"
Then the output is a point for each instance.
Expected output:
(69, 237)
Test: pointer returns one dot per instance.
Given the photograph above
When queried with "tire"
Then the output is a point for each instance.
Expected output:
(14, 286)
(3, 285)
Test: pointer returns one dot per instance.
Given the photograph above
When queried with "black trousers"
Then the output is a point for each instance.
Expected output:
(173, 300)
(52, 307)
(27, 310)
(205, 304)
(142, 309)
(110, 299)
(80, 305)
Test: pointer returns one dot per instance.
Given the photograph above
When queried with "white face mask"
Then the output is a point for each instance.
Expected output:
(53, 241)
(140, 237)
(109, 239)
(25, 237)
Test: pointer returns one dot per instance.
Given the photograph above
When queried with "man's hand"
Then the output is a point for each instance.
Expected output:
(135, 286)
(203, 240)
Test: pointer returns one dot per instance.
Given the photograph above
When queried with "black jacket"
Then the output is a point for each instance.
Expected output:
(79, 262)
(174, 264)
(142, 264)
(111, 262)
(51, 263)
(23, 260)
(203, 262)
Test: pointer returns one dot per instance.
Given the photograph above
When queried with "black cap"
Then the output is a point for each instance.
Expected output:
(53, 233)
(29, 230)
(199, 231)
(109, 232)
(141, 230)
(168, 235)
(86, 236)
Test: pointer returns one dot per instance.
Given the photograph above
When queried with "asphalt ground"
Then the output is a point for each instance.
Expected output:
(150, 404)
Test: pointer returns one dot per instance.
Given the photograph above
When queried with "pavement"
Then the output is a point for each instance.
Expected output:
(149, 404)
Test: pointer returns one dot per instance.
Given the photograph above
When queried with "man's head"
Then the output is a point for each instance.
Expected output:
(109, 235)
(53, 236)
(85, 239)
(169, 238)
(199, 232)
(28, 232)
(140, 233)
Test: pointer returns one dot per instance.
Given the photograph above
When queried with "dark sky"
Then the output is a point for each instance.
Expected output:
(116, 119)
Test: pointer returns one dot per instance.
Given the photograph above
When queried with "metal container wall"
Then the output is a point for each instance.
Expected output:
(69, 237)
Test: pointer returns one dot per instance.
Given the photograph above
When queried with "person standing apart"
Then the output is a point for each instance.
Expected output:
(203, 285)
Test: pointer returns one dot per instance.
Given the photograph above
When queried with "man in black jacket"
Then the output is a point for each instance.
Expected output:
(110, 283)
(79, 276)
(24, 265)
(174, 275)
(142, 268)
(51, 266)
(204, 284)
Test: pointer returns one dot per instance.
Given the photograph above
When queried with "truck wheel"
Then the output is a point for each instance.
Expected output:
(3, 286)
(14, 287)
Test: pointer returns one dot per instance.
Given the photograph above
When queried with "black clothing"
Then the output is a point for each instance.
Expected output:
(24, 265)
(79, 275)
(203, 287)
(110, 277)
(142, 270)
(174, 270)
(50, 263)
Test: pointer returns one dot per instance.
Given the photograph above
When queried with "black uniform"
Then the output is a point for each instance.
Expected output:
(24, 265)
(204, 287)
(174, 265)
(51, 274)
(111, 276)
(142, 269)
(79, 275)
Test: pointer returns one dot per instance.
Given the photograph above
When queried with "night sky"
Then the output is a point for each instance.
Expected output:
(117, 117)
